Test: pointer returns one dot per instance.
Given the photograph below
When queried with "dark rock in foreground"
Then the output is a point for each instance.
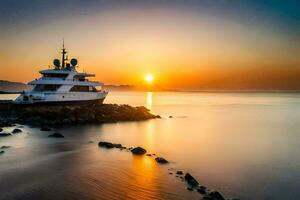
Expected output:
(214, 195)
(161, 160)
(72, 115)
(138, 151)
(16, 130)
(4, 147)
(1, 129)
(106, 144)
(191, 180)
(201, 190)
(56, 135)
(110, 145)
(5, 134)
(179, 173)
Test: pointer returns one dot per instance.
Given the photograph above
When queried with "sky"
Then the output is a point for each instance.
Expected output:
(192, 44)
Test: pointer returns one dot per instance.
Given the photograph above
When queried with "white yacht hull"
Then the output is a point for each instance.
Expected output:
(60, 98)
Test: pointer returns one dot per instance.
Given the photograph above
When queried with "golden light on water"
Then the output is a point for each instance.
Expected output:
(149, 100)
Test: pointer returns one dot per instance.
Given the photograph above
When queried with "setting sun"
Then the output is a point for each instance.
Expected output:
(149, 78)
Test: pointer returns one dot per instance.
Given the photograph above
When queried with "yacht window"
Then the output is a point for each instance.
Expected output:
(79, 78)
(46, 87)
(56, 75)
(78, 88)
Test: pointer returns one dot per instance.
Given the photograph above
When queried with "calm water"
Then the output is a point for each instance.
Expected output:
(244, 145)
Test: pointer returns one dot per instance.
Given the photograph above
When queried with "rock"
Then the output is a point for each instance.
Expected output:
(170, 116)
(153, 154)
(16, 130)
(4, 147)
(191, 180)
(161, 160)
(179, 173)
(56, 135)
(215, 195)
(4, 134)
(45, 128)
(138, 151)
(106, 144)
(170, 172)
(206, 197)
(109, 145)
(201, 190)
(71, 115)
(1, 152)
(148, 154)
(1, 129)
(119, 146)
(189, 189)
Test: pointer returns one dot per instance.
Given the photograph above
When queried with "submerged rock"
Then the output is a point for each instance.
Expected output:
(119, 146)
(215, 195)
(110, 145)
(161, 160)
(56, 135)
(138, 151)
(179, 173)
(16, 130)
(201, 190)
(191, 180)
(4, 134)
(5, 147)
(106, 144)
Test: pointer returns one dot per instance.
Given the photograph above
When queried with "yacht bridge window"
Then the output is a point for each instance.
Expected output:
(79, 78)
(63, 76)
(46, 87)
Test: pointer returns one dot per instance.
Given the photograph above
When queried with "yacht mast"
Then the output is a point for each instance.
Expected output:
(64, 52)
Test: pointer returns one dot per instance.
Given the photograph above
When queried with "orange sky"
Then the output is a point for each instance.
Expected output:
(180, 47)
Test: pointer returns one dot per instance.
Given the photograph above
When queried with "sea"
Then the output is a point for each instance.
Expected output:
(244, 145)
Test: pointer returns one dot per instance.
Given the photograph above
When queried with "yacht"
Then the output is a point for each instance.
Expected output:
(63, 84)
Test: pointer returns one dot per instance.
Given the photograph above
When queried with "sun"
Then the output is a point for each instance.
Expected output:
(149, 78)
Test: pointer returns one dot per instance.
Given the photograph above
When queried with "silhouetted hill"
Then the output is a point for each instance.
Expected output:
(8, 86)
(119, 88)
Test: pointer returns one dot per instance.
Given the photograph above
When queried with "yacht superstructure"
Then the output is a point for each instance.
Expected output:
(62, 84)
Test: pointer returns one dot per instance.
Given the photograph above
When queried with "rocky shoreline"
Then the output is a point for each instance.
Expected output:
(55, 116)
(191, 182)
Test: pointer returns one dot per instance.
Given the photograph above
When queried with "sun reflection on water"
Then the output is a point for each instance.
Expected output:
(149, 100)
